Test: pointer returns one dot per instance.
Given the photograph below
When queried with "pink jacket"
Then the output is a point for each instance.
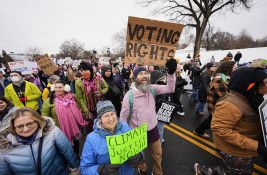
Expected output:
(144, 104)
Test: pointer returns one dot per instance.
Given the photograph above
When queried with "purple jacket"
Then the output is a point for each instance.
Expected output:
(144, 104)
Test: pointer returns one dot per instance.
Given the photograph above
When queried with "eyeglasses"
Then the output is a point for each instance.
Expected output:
(28, 125)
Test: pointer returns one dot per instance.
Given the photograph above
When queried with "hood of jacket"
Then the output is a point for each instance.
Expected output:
(242, 78)
(246, 81)
(8, 141)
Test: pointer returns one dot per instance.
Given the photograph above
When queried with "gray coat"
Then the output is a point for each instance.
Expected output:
(57, 153)
(6, 120)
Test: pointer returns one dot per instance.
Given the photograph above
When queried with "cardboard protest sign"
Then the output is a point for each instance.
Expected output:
(123, 146)
(263, 118)
(150, 41)
(25, 67)
(46, 64)
(166, 111)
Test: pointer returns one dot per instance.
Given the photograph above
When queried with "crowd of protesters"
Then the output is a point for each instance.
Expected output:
(57, 124)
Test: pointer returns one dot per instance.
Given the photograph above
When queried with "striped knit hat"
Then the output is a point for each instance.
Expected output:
(103, 107)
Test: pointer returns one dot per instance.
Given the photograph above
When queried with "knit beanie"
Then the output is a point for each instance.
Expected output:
(138, 70)
(104, 106)
(155, 76)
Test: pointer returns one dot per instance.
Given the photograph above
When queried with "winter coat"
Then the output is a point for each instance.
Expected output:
(45, 94)
(217, 89)
(144, 104)
(236, 126)
(180, 83)
(115, 93)
(57, 153)
(95, 150)
(49, 110)
(6, 120)
(81, 95)
(6, 82)
(196, 76)
(203, 86)
(32, 92)
(125, 72)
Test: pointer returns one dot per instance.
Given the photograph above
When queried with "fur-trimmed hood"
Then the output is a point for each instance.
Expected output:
(7, 139)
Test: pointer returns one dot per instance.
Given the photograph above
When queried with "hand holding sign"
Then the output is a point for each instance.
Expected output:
(123, 146)
(108, 169)
(134, 161)
(166, 111)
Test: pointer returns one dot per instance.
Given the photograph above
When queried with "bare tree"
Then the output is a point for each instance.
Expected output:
(245, 40)
(72, 48)
(119, 40)
(194, 13)
(206, 40)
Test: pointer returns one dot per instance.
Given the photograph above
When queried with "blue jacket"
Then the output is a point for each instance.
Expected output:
(95, 150)
(57, 153)
(2, 89)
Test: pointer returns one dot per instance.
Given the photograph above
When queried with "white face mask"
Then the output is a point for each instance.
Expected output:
(15, 79)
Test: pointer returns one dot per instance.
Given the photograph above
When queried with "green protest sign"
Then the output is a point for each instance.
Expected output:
(123, 146)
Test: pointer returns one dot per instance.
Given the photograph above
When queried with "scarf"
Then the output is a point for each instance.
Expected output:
(69, 116)
(90, 88)
(27, 140)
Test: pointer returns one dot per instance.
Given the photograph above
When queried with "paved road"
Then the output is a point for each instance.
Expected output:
(182, 148)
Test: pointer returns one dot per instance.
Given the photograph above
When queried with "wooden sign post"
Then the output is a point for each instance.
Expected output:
(151, 42)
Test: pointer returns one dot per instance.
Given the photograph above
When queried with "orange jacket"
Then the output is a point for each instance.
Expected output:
(236, 126)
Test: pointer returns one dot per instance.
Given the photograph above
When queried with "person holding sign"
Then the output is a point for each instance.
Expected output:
(236, 123)
(139, 107)
(158, 77)
(95, 156)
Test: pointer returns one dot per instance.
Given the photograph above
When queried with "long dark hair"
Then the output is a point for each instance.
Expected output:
(9, 104)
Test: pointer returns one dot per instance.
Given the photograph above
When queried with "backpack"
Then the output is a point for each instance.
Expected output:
(151, 90)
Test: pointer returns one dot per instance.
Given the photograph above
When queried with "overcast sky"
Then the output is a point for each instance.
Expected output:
(47, 23)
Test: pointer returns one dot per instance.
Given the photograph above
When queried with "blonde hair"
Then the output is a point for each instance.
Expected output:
(34, 114)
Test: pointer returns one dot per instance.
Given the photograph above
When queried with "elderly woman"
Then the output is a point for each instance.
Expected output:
(62, 107)
(34, 145)
(95, 157)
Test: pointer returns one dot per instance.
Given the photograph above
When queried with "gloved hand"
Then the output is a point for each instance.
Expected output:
(184, 82)
(23, 99)
(134, 161)
(262, 150)
(171, 66)
(108, 169)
